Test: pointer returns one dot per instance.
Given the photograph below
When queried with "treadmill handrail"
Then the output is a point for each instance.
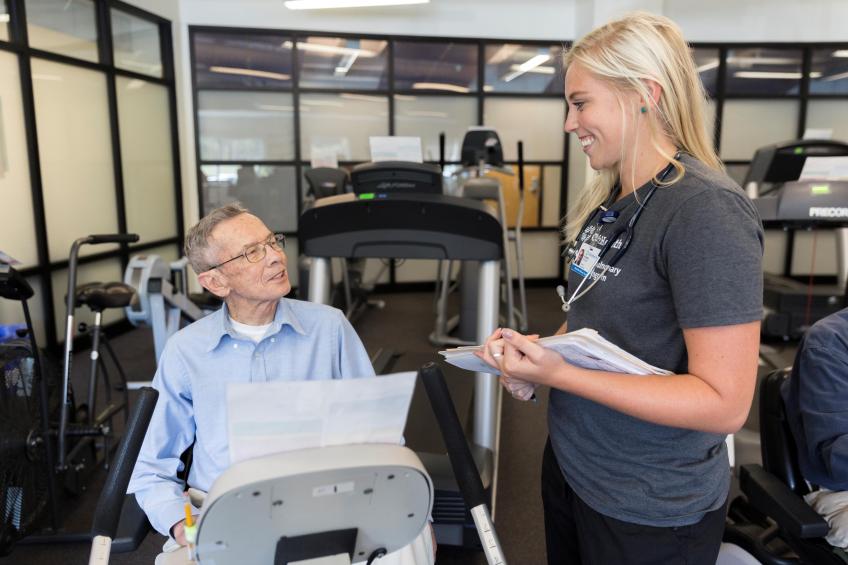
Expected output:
(426, 225)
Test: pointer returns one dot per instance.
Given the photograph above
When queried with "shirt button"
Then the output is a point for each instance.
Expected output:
(273, 340)
(235, 346)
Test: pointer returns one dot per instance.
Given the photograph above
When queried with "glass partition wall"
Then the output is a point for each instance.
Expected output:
(268, 101)
(88, 143)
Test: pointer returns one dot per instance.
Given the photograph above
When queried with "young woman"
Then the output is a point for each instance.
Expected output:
(636, 468)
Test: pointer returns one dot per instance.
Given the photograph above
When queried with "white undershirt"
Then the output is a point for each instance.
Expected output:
(253, 333)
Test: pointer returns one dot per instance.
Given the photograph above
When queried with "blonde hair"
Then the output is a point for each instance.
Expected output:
(625, 53)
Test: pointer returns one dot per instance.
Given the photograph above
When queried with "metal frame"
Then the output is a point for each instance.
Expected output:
(18, 44)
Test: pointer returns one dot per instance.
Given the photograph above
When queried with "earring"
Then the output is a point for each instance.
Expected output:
(644, 109)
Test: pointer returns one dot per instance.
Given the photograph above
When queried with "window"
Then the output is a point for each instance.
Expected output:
(343, 123)
(706, 63)
(68, 28)
(512, 67)
(251, 126)
(4, 22)
(349, 64)
(241, 60)
(829, 71)
(763, 71)
(136, 44)
(429, 116)
(438, 66)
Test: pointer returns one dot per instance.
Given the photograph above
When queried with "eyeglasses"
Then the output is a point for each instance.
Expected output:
(256, 252)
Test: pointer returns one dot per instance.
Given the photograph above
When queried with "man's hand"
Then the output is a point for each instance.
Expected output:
(178, 531)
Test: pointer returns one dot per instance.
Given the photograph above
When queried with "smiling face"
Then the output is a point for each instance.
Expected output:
(595, 117)
(242, 284)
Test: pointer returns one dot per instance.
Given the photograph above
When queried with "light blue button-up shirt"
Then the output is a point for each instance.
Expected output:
(306, 342)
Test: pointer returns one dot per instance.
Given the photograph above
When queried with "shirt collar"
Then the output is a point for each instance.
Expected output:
(284, 316)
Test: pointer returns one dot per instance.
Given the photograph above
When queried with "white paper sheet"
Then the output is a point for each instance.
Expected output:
(396, 148)
(585, 348)
(825, 168)
(266, 418)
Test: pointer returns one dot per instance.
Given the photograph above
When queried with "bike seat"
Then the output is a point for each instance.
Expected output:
(100, 296)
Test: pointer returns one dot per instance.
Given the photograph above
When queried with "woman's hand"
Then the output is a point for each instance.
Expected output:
(526, 361)
(492, 353)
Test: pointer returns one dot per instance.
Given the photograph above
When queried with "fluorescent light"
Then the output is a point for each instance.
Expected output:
(773, 75)
(832, 78)
(332, 49)
(439, 86)
(346, 64)
(707, 66)
(542, 70)
(274, 108)
(505, 52)
(527, 66)
(4, 18)
(249, 73)
(328, 4)
(427, 114)
(327, 103)
(747, 61)
(363, 97)
(841, 53)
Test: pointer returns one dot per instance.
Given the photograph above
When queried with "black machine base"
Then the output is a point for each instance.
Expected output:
(785, 302)
(452, 521)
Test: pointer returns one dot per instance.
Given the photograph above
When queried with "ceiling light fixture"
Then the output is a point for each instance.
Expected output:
(773, 75)
(331, 49)
(329, 4)
(841, 53)
(708, 66)
(439, 86)
(527, 66)
(4, 18)
(346, 64)
(542, 69)
(249, 73)
(838, 76)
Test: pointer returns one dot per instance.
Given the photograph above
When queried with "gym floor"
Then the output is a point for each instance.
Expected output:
(402, 326)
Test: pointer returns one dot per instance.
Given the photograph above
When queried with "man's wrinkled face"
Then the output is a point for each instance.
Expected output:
(264, 281)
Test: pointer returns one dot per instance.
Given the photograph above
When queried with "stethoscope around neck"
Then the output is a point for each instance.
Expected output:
(623, 234)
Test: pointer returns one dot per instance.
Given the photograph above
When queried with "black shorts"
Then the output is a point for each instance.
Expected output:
(577, 534)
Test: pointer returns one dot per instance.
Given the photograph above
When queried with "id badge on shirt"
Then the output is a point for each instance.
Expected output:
(585, 260)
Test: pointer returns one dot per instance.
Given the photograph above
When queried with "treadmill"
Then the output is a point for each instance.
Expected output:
(398, 211)
(785, 202)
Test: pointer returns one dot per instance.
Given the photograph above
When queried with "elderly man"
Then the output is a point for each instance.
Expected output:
(257, 336)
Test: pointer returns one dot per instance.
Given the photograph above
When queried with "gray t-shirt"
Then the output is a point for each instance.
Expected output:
(694, 261)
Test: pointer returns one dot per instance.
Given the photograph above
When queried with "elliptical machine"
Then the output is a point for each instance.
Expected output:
(482, 153)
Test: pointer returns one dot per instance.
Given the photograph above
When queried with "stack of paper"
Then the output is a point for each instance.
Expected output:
(266, 418)
(585, 348)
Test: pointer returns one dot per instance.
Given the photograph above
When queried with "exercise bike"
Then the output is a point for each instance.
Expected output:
(48, 445)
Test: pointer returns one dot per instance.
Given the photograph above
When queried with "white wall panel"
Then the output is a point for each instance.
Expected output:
(147, 159)
(75, 147)
(17, 228)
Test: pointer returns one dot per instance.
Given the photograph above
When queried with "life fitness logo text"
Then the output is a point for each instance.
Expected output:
(828, 212)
